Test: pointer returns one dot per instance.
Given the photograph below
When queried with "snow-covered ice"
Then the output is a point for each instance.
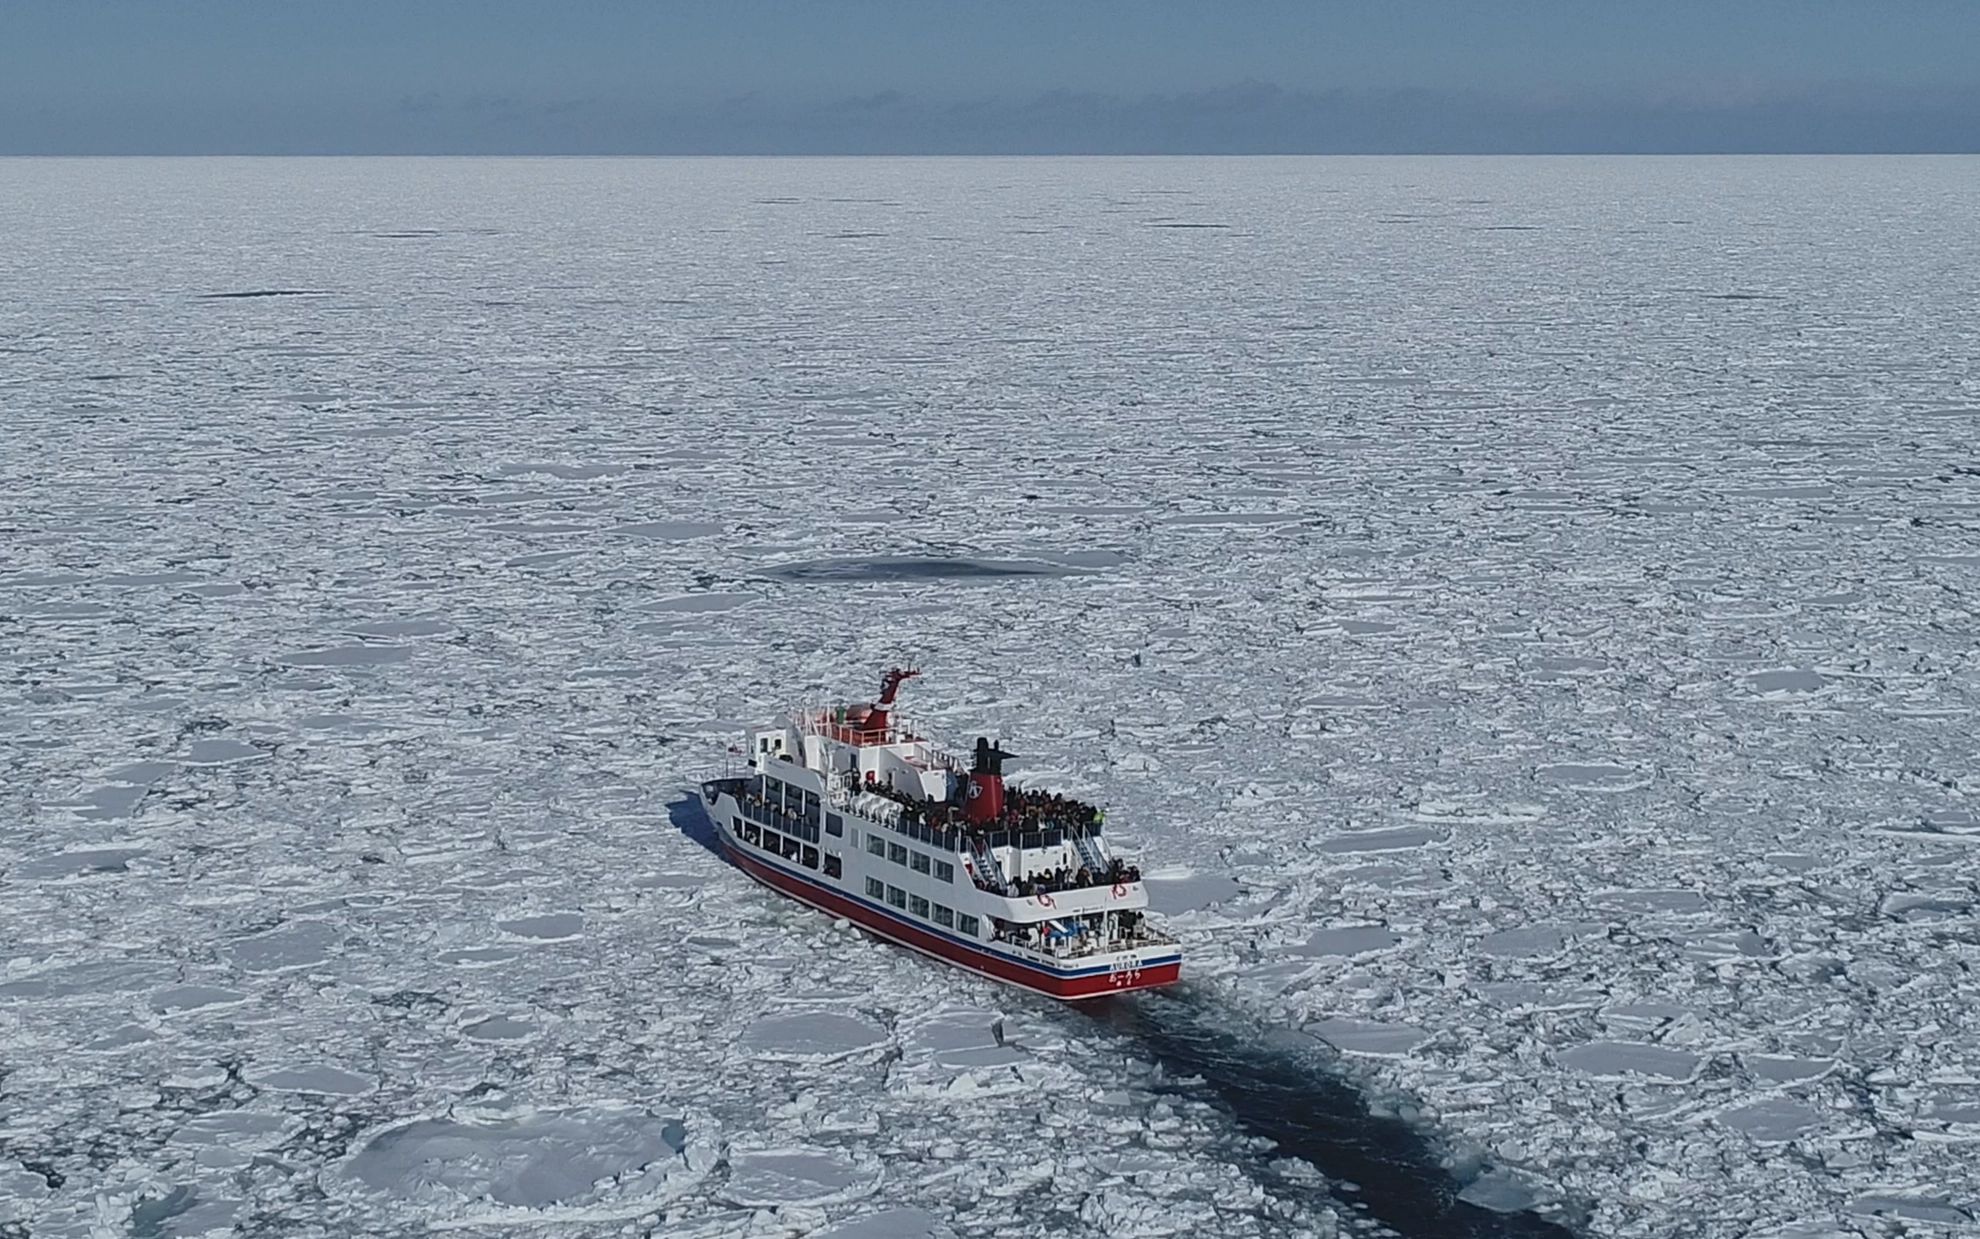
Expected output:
(1519, 611)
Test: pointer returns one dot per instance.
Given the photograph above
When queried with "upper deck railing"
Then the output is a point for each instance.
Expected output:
(813, 721)
(845, 733)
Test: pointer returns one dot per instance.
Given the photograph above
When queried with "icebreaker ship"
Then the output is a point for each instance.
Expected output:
(849, 812)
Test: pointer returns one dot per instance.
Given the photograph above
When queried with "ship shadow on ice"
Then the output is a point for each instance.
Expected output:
(856, 570)
(690, 816)
(1275, 1086)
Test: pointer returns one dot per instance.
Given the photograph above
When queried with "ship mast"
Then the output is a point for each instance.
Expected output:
(889, 685)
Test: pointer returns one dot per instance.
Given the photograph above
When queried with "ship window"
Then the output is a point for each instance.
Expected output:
(791, 849)
(897, 896)
(772, 840)
(944, 915)
(919, 862)
(967, 924)
(876, 845)
(833, 868)
(834, 824)
(917, 905)
(811, 858)
(875, 888)
(751, 834)
(897, 853)
(944, 871)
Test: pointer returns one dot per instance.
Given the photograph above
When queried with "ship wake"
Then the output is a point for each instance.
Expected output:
(1291, 1110)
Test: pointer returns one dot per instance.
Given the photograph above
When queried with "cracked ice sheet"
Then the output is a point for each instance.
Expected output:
(700, 1058)
(1520, 686)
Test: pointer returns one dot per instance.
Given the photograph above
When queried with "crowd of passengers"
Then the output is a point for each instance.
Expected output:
(1052, 881)
(1023, 810)
(1086, 933)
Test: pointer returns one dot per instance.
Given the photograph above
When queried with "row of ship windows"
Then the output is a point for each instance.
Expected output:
(793, 799)
(920, 862)
(806, 814)
(946, 917)
(791, 848)
(788, 847)
(789, 796)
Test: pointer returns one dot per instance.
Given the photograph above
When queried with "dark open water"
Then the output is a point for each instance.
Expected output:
(1273, 1089)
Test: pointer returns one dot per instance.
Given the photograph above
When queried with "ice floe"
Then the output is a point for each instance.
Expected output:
(1559, 706)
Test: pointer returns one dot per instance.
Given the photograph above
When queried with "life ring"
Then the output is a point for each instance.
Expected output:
(1119, 890)
(1045, 900)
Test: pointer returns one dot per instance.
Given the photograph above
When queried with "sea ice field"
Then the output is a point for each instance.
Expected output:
(1521, 613)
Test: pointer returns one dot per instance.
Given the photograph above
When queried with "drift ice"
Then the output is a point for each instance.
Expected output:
(860, 818)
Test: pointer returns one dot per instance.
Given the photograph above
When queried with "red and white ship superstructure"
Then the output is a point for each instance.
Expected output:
(853, 815)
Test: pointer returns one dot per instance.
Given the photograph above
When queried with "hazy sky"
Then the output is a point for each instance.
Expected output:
(598, 76)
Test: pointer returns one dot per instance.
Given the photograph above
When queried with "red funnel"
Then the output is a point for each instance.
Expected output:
(983, 801)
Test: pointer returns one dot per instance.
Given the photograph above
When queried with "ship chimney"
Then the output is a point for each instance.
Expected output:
(983, 797)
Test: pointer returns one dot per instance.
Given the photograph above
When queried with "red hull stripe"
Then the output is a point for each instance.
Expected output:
(1085, 983)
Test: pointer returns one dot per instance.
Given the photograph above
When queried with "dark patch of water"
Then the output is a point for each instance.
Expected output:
(1273, 1086)
(914, 568)
(1184, 224)
(266, 292)
(1740, 297)
(148, 1216)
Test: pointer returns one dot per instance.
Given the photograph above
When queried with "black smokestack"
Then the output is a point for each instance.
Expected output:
(988, 759)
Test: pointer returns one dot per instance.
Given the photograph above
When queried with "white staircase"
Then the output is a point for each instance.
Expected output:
(1090, 854)
(985, 863)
